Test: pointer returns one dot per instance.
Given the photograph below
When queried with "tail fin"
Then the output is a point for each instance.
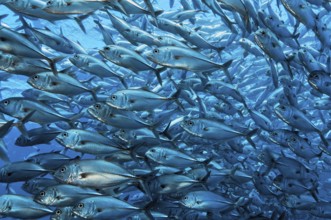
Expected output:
(249, 135)
(158, 72)
(79, 20)
(175, 98)
(225, 67)
(325, 142)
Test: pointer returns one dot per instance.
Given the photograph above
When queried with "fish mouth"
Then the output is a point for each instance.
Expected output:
(182, 125)
(278, 113)
(114, 106)
(72, 59)
(102, 53)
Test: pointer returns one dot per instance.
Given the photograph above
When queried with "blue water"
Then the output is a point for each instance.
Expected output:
(252, 84)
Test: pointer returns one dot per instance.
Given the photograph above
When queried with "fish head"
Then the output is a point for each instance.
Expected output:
(85, 209)
(155, 153)
(22, 141)
(10, 106)
(276, 136)
(283, 111)
(66, 173)
(65, 138)
(267, 156)
(39, 81)
(46, 196)
(189, 200)
(77, 60)
(158, 55)
(292, 141)
(111, 53)
(4, 173)
(125, 135)
(192, 126)
(315, 79)
(62, 213)
(99, 110)
(118, 100)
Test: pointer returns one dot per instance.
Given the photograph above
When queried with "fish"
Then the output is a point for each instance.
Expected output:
(138, 100)
(125, 109)
(87, 142)
(103, 206)
(37, 136)
(23, 207)
(63, 195)
(129, 59)
(60, 84)
(31, 110)
(208, 201)
(207, 128)
(295, 118)
(20, 171)
(183, 58)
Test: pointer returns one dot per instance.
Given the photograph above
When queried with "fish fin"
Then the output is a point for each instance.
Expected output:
(158, 72)
(5, 128)
(4, 152)
(175, 97)
(79, 20)
(325, 142)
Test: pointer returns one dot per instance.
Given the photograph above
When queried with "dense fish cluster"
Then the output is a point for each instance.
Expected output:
(130, 109)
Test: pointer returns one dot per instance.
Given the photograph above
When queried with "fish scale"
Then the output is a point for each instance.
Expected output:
(165, 109)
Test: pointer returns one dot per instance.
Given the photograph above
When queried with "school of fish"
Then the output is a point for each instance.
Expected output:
(179, 109)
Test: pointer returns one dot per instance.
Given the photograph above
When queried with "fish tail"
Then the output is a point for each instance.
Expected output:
(225, 67)
(94, 93)
(240, 202)
(123, 82)
(158, 72)
(314, 194)
(323, 150)
(175, 98)
(325, 142)
(203, 181)
(249, 137)
(147, 209)
(4, 152)
(79, 20)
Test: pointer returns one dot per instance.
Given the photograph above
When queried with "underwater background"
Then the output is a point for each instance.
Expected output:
(201, 109)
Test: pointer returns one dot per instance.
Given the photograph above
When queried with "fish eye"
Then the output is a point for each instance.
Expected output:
(263, 33)
(191, 123)
(293, 139)
(185, 198)
(156, 51)
(42, 193)
(315, 76)
(106, 48)
(65, 134)
(160, 38)
(63, 169)
(153, 150)
(49, 3)
(76, 56)
(58, 212)
(6, 102)
(113, 97)
(81, 205)
(35, 77)
(97, 106)
(282, 107)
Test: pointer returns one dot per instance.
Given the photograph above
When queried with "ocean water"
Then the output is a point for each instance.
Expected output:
(253, 79)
